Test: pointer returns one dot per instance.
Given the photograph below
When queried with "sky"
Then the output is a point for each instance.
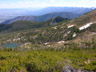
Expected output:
(46, 3)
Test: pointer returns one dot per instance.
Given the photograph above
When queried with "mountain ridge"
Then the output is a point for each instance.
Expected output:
(6, 14)
(43, 17)
(24, 25)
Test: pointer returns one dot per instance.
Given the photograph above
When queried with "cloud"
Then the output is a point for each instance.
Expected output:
(52, 0)
(48, 3)
(28, 2)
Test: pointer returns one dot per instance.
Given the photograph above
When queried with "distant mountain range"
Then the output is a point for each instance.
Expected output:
(42, 11)
(76, 10)
(43, 17)
(6, 14)
(24, 25)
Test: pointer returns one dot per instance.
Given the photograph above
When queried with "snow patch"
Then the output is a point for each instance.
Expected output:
(69, 32)
(18, 39)
(46, 43)
(86, 26)
(49, 45)
(70, 26)
(74, 35)
(61, 42)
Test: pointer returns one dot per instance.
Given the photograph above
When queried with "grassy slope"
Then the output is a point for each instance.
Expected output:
(43, 61)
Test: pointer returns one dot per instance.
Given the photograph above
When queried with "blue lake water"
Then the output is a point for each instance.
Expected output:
(12, 45)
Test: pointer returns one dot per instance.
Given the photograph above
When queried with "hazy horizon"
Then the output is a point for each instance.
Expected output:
(35, 8)
(46, 3)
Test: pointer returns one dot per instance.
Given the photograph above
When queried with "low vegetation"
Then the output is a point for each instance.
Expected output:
(47, 60)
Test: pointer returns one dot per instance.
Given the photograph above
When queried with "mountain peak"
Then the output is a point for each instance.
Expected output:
(57, 19)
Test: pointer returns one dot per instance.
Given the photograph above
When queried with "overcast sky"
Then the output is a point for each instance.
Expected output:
(46, 3)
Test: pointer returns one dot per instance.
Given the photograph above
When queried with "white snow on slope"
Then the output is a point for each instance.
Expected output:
(70, 26)
(86, 26)
(74, 35)
(61, 42)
